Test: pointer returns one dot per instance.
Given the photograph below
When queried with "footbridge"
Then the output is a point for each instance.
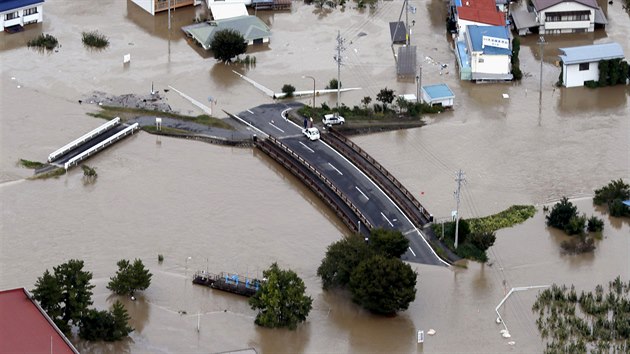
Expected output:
(90, 143)
(356, 187)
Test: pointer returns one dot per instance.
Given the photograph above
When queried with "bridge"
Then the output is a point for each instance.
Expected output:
(90, 143)
(357, 188)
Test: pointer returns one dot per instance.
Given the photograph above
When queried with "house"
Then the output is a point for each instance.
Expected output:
(155, 6)
(20, 12)
(580, 64)
(223, 10)
(253, 29)
(476, 12)
(26, 328)
(438, 95)
(485, 54)
(560, 16)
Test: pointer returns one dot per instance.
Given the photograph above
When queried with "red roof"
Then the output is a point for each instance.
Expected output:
(481, 11)
(25, 327)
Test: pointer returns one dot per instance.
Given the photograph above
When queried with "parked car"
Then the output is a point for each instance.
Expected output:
(311, 133)
(332, 119)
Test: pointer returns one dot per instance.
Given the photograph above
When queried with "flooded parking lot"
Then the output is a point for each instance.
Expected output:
(214, 204)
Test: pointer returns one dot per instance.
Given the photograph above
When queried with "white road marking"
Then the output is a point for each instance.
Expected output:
(250, 111)
(363, 194)
(409, 231)
(273, 125)
(335, 168)
(307, 147)
(390, 223)
(412, 252)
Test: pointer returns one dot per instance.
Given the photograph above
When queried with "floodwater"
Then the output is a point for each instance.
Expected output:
(209, 207)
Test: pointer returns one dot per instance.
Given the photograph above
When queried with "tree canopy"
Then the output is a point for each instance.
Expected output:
(227, 44)
(342, 257)
(561, 214)
(106, 325)
(383, 285)
(130, 278)
(65, 294)
(613, 194)
(386, 96)
(281, 299)
(391, 243)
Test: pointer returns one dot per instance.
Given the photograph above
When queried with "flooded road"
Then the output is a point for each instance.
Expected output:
(214, 204)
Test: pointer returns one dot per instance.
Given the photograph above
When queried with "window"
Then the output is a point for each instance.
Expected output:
(567, 16)
(11, 16)
(480, 60)
(31, 11)
(584, 66)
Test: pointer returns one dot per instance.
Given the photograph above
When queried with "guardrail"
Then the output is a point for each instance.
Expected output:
(85, 154)
(85, 137)
(357, 149)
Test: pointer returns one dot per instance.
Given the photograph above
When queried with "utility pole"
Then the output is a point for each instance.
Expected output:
(419, 84)
(541, 43)
(340, 48)
(169, 15)
(459, 178)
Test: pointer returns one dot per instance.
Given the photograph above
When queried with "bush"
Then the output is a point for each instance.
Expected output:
(288, 90)
(94, 39)
(333, 84)
(618, 208)
(576, 225)
(44, 41)
(561, 214)
(105, 325)
(591, 84)
(482, 240)
(595, 224)
(612, 195)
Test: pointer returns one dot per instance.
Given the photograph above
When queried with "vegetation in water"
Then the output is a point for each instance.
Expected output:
(288, 90)
(46, 41)
(31, 164)
(129, 278)
(160, 258)
(109, 326)
(564, 216)
(227, 44)
(613, 195)
(597, 321)
(50, 174)
(281, 300)
(94, 39)
(89, 172)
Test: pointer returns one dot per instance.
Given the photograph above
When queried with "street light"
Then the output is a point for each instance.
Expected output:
(310, 77)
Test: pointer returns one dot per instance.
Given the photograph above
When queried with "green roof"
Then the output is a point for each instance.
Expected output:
(250, 27)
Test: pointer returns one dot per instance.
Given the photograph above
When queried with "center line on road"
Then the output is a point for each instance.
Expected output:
(273, 125)
(311, 150)
(412, 252)
(390, 223)
(360, 191)
(335, 168)
(250, 111)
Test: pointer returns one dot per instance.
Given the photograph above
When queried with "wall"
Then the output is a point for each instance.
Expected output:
(567, 26)
(147, 5)
(461, 25)
(492, 64)
(572, 76)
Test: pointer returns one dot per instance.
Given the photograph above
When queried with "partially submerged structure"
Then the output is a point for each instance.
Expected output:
(475, 12)
(253, 29)
(485, 54)
(155, 6)
(438, 95)
(580, 64)
(559, 16)
(19, 13)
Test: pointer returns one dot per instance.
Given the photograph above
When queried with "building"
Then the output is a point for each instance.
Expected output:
(485, 54)
(26, 328)
(155, 6)
(20, 12)
(223, 10)
(580, 64)
(476, 12)
(253, 29)
(438, 95)
(560, 16)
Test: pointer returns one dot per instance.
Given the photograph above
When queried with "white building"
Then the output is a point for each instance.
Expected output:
(438, 95)
(154, 6)
(20, 12)
(567, 16)
(580, 64)
(489, 53)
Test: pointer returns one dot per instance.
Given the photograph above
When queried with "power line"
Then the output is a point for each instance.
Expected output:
(340, 48)
(459, 178)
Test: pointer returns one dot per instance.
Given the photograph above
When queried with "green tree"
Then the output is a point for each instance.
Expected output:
(341, 258)
(595, 224)
(561, 214)
(333, 84)
(383, 285)
(604, 73)
(612, 195)
(281, 299)
(106, 325)
(482, 240)
(386, 96)
(576, 225)
(288, 90)
(390, 243)
(366, 101)
(227, 44)
(130, 278)
(66, 294)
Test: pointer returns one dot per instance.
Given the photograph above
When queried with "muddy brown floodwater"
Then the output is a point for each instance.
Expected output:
(229, 209)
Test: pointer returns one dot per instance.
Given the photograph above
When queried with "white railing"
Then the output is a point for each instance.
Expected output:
(100, 145)
(83, 139)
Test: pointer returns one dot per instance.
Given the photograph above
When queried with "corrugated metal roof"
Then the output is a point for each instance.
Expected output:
(523, 19)
(407, 61)
(398, 32)
(6, 5)
(591, 53)
(481, 11)
(544, 4)
(600, 18)
(476, 34)
(438, 91)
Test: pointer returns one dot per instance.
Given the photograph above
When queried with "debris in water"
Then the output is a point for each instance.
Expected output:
(431, 332)
(511, 342)
(505, 95)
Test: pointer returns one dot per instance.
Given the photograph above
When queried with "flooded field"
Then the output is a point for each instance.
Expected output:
(209, 207)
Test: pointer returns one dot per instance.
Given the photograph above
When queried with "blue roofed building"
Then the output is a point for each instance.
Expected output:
(580, 64)
(489, 53)
(18, 13)
(438, 95)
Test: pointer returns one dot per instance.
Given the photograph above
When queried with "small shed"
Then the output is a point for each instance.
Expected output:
(438, 95)
(580, 64)
(398, 32)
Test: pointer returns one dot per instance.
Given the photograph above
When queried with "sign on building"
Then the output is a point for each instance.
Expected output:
(495, 42)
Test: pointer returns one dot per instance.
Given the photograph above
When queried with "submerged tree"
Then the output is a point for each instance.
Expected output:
(227, 44)
(65, 294)
(391, 243)
(106, 325)
(561, 214)
(130, 278)
(342, 257)
(281, 299)
(613, 195)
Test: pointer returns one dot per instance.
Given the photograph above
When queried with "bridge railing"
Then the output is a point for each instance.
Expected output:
(85, 154)
(384, 171)
(290, 163)
(85, 137)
